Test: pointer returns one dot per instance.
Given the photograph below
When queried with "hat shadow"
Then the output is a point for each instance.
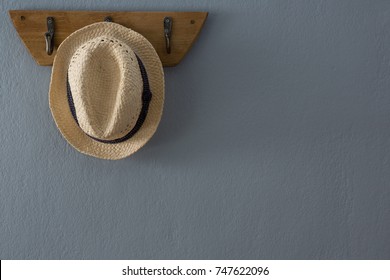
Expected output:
(180, 106)
(183, 96)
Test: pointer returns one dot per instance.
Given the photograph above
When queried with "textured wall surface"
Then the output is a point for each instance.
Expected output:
(274, 143)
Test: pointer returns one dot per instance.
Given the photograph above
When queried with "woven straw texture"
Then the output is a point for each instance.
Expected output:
(99, 61)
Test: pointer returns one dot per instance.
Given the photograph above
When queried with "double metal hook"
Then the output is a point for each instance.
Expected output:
(168, 33)
(49, 35)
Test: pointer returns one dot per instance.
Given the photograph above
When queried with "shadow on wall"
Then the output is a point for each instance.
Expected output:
(184, 95)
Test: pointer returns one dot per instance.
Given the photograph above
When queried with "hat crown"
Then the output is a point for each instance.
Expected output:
(106, 85)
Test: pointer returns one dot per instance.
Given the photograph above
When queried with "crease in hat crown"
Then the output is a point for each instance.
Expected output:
(106, 86)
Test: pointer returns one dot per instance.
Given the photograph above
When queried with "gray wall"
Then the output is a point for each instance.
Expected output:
(274, 143)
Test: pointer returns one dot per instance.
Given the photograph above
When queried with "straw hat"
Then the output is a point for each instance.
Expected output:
(107, 90)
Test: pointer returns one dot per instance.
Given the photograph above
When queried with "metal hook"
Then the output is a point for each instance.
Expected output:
(108, 19)
(49, 35)
(168, 33)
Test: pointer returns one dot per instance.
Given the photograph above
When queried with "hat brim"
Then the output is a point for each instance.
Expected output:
(58, 97)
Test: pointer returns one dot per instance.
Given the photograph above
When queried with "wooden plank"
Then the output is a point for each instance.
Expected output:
(31, 27)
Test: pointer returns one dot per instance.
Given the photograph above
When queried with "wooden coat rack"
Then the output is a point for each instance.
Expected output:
(171, 33)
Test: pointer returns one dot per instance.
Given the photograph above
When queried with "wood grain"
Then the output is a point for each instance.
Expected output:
(31, 26)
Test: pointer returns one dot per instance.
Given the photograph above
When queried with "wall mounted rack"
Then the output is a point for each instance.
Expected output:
(171, 33)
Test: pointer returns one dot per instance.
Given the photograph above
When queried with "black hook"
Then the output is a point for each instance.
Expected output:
(168, 33)
(108, 19)
(49, 35)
